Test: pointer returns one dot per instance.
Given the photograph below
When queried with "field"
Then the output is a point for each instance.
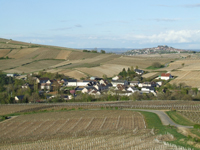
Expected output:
(60, 127)
(45, 126)
(190, 78)
(108, 69)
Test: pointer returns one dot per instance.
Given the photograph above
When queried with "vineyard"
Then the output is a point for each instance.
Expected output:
(91, 129)
(89, 126)
(47, 126)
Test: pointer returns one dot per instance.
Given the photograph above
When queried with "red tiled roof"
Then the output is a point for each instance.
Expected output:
(165, 74)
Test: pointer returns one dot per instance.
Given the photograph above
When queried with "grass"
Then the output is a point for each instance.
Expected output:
(179, 119)
(153, 121)
(154, 68)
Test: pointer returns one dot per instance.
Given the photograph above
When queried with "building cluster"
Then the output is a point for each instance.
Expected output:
(94, 86)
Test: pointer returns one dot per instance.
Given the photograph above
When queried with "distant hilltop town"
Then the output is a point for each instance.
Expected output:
(160, 49)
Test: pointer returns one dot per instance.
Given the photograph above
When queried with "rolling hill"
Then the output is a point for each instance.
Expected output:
(21, 57)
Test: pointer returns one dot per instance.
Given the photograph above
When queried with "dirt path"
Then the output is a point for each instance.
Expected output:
(165, 119)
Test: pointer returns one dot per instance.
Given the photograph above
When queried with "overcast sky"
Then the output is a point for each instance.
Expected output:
(102, 23)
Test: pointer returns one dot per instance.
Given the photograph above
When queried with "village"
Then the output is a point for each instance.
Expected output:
(68, 89)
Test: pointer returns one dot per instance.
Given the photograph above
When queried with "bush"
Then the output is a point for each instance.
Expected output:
(156, 65)
(197, 126)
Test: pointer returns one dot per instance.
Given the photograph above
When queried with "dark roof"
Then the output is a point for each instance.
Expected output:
(90, 87)
(150, 88)
(138, 70)
(64, 80)
(72, 80)
(134, 88)
(20, 97)
(117, 81)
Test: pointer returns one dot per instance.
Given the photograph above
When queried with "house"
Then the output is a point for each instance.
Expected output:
(134, 83)
(19, 98)
(101, 87)
(133, 89)
(25, 86)
(64, 82)
(94, 92)
(87, 89)
(95, 78)
(115, 78)
(45, 86)
(65, 97)
(42, 80)
(105, 82)
(121, 87)
(83, 83)
(165, 76)
(138, 71)
(147, 84)
(116, 82)
(72, 82)
(11, 75)
(148, 90)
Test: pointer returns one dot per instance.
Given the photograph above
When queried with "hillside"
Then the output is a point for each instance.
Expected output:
(21, 57)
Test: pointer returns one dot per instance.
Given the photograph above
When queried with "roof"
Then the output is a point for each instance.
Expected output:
(134, 88)
(119, 81)
(20, 97)
(150, 88)
(165, 74)
(72, 80)
(138, 70)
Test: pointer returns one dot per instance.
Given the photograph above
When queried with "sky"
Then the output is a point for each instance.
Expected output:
(102, 23)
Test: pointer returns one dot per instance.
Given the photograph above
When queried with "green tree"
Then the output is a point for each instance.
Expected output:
(156, 65)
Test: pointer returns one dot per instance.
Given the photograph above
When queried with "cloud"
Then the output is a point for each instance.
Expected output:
(166, 19)
(78, 25)
(61, 29)
(192, 6)
(162, 19)
(182, 36)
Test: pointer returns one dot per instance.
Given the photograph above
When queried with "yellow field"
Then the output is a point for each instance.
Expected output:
(141, 62)
(149, 75)
(21, 52)
(3, 52)
(74, 74)
(63, 54)
(108, 69)
(190, 78)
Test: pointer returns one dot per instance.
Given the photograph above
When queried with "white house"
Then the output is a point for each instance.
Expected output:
(138, 71)
(133, 89)
(116, 82)
(82, 83)
(147, 84)
(133, 83)
(148, 90)
(165, 76)
(72, 82)
(115, 78)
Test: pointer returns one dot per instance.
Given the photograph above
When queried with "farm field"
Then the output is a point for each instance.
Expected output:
(3, 52)
(141, 62)
(190, 78)
(151, 74)
(63, 54)
(34, 66)
(108, 69)
(46, 126)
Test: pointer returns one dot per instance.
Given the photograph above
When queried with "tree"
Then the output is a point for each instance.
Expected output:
(103, 52)
(183, 64)
(156, 65)
(105, 76)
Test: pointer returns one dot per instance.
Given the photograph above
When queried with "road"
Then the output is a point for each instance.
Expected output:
(165, 119)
